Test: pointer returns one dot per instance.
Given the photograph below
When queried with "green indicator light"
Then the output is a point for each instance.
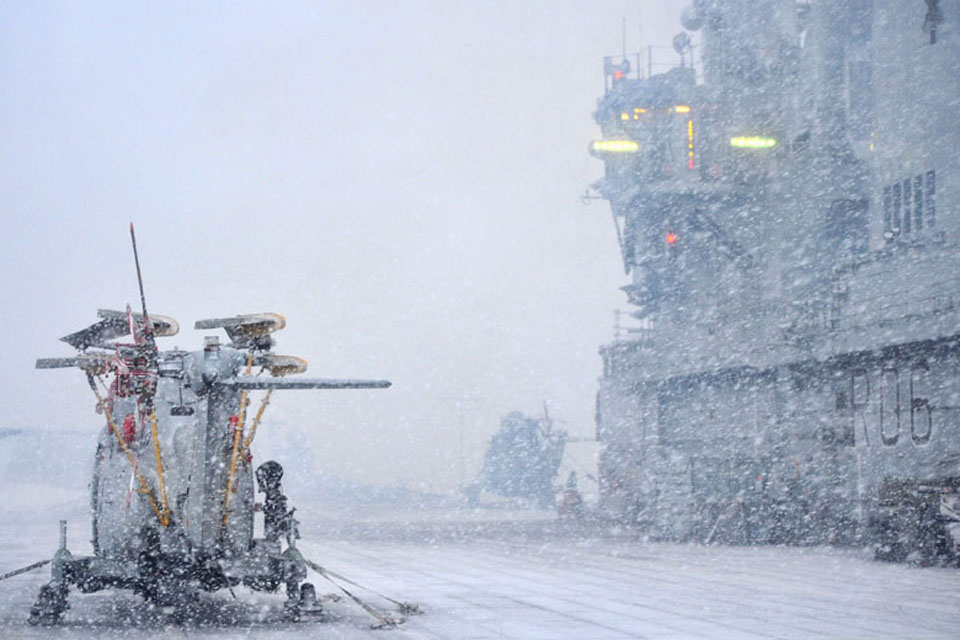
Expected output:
(752, 142)
(615, 146)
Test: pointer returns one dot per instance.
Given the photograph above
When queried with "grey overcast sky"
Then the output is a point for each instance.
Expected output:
(400, 179)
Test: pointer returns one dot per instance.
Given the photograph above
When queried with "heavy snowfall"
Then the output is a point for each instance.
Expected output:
(507, 574)
(624, 321)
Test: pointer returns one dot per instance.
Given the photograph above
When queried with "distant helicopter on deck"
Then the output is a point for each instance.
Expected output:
(172, 494)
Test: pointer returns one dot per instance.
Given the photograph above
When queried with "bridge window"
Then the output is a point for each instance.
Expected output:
(931, 192)
(909, 205)
(918, 203)
(907, 226)
(897, 192)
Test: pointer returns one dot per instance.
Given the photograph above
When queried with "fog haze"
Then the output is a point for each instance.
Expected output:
(401, 181)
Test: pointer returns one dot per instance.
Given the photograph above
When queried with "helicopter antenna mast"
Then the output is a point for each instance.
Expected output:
(149, 350)
(147, 329)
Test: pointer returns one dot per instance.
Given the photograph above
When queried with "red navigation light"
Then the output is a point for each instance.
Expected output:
(616, 71)
(671, 238)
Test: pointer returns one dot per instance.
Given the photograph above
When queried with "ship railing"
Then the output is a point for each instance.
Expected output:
(886, 309)
(652, 60)
(634, 336)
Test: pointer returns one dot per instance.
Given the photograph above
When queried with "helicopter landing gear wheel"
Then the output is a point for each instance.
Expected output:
(50, 605)
(302, 601)
(309, 605)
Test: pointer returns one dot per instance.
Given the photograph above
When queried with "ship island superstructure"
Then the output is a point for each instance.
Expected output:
(787, 214)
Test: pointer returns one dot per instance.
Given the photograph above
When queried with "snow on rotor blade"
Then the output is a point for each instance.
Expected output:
(98, 333)
(307, 383)
(163, 326)
(258, 322)
(82, 361)
(57, 363)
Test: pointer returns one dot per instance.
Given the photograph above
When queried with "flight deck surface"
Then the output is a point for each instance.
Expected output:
(479, 578)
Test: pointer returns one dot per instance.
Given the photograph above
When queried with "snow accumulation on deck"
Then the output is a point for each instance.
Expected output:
(479, 577)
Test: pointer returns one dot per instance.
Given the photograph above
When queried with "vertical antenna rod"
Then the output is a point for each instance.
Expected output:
(147, 329)
(624, 39)
(148, 350)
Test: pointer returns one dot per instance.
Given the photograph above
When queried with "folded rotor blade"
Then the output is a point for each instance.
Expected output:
(163, 326)
(281, 365)
(247, 330)
(253, 323)
(81, 361)
(98, 333)
(57, 363)
(305, 383)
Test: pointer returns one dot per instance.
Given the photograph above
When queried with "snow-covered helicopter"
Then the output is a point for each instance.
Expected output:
(172, 495)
